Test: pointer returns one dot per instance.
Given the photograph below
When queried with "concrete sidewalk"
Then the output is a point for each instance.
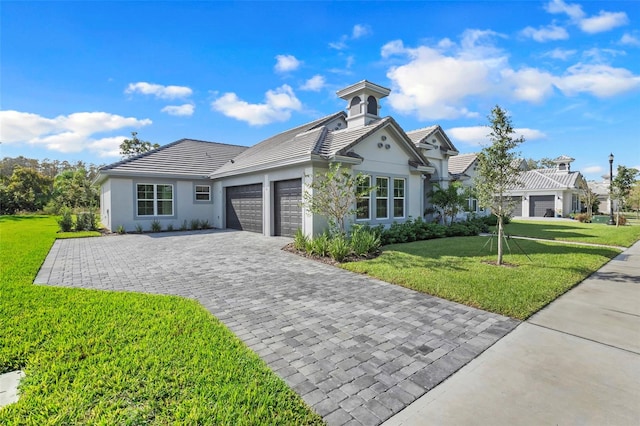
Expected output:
(575, 362)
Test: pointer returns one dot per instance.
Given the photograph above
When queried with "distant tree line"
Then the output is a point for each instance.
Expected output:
(30, 185)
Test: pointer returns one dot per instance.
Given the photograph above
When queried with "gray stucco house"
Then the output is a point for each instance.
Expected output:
(260, 188)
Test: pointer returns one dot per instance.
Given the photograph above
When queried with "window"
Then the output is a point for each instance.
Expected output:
(382, 198)
(363, 204)
(203, 193)
(372, 106)
(154, 200)
(398, 198)
(354, 106)
(473, 204)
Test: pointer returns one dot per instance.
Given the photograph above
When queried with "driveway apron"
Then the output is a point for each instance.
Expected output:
(356, 349)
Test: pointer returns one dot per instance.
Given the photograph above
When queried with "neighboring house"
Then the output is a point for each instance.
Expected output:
(260, 188)
(601, 189)
(549, 192)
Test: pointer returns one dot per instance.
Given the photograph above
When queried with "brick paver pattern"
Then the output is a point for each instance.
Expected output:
(357, 350)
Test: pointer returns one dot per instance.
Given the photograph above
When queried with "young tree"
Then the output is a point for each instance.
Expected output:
(589, 199)
(26, 190)
(334, 195)
(498, 171)
(622, 184)
(74, 189)
(448, 200)
(134, 146)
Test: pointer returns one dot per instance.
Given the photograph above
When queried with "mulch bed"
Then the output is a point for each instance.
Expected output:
(329, 261)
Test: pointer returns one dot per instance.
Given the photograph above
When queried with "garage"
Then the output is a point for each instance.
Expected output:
(287, 212)
(541, 206)
(244, 207)
(516, 202)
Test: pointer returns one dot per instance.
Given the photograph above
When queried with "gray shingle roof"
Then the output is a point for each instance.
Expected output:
(549, 179)
(459, 164)
(297, 142)
(185, 157)
(422, 136)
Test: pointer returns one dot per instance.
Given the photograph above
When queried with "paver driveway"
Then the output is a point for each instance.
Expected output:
(356, 349)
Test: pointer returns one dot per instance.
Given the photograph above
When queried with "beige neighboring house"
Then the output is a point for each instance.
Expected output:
(260, 188)
(601, 189)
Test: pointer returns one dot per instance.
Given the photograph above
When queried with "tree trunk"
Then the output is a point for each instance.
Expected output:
(500, 234)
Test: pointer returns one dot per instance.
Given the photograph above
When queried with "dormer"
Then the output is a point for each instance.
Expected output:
(363, 102)
(563, 163)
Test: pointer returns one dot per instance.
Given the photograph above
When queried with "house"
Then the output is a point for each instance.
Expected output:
(553, 192)
(260, 188)
(602, 190)
(463, 168)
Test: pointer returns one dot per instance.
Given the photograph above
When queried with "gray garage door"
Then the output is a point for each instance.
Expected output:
(244, 207)
(287, 210)
(517, 205)
(540, 205)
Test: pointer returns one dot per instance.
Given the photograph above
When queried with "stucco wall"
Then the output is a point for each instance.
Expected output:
(118, 204)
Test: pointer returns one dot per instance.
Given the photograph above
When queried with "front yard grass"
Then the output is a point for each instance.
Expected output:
(102, 357)
(595, 233)
(456, 269)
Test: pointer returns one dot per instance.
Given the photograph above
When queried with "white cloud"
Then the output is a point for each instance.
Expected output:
(574, 11)
(433, 84)
(277, 106)
(286, 63)
(548, 33)
(562, 54)
(592, 169)
(314, 84)
(604, 21)
(602, 81)
(630, 40)
(529, 84)
(64, 133)
(179, 110)
(359, 31)
(158, 90)
(479, 135)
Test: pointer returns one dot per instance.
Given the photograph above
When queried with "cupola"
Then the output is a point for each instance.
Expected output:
(563, 163)
(363, 102)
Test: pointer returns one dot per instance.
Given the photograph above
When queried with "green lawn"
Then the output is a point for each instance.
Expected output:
(455, 269)
(123, 358)
(595, 233)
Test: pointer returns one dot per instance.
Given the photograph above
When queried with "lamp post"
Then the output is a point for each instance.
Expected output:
(611, 220)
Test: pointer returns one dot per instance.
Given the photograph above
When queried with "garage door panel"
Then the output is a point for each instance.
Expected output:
(244, 207)
(287, 209)
(541, 205)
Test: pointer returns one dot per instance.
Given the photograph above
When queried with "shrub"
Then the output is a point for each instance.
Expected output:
(120, 230)
(300, 240)
(170, 227)
(364, 241)
(621, 219)
(492, 220)
(583, 218)
(139, 228)
(339, 248)
(320, 245)
(156, 226)
(184, 226)
(66, 220)
(205, 224)
(194, 224)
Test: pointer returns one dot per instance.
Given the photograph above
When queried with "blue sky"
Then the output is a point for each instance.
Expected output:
(78, 77)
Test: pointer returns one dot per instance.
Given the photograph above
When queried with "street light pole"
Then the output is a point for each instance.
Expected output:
(611, 220)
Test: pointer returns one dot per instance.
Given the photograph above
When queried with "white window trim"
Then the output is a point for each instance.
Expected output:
(208, 193)
(368, 198)
(403, 198)
(382, 198)
(155, 200)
